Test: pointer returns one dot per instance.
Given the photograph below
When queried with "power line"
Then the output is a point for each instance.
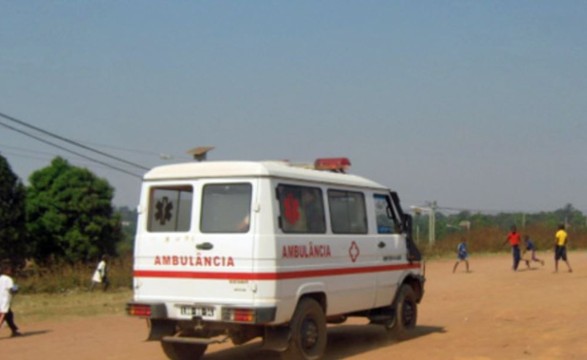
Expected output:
(42, 156)
(120, 148)
(68, 150)
(20, 122)
(139, 151)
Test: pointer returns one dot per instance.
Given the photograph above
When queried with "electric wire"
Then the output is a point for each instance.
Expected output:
(69, 150)
(69, 141)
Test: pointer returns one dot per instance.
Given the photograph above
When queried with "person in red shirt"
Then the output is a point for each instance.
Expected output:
(514, 239)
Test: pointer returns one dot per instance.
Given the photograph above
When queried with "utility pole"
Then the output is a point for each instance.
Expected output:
(417, 211)
(432, 223)
(431, 209)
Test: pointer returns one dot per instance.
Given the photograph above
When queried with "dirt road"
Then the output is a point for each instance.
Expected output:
(490, 313)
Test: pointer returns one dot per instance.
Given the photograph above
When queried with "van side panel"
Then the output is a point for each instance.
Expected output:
(340, 265)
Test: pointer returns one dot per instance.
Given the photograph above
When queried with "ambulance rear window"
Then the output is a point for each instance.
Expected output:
(226, 208)
(170, 209)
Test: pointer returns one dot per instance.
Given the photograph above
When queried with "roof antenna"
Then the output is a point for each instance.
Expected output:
(199, 153)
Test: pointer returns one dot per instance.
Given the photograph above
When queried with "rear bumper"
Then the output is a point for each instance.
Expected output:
(228, 313)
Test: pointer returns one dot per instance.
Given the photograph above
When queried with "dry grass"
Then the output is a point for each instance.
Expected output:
(63, 292)
(490, 240)
(66, 278)
(71, 304)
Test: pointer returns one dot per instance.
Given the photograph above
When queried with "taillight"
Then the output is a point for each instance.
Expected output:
(139, 310)
(239, 315)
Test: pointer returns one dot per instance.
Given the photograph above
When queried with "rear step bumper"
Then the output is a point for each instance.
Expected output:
(194, 340)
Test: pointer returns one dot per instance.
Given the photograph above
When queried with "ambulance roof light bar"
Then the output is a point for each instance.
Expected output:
(340, 164)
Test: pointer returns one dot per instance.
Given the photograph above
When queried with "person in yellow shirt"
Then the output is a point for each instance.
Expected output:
(560, 248)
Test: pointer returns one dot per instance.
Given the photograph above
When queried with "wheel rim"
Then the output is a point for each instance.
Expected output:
(309, 334)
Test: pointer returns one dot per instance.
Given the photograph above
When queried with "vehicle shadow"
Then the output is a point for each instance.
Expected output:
(352, 340)
(343, 341)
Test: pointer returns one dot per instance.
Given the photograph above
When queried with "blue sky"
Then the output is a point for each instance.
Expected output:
(474, 104)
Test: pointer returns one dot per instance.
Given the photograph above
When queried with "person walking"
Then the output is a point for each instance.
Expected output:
(529, 253)
(514, 239)
(462, 255)
(7, 289)
(560, 248)
(101, 275)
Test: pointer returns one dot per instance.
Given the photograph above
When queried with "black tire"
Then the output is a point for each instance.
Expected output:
(308, 332)
(405, 314)
(177, 351)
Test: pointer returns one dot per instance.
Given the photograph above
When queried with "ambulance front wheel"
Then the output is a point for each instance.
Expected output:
(179, 351)
(308, 332)
(405, 313)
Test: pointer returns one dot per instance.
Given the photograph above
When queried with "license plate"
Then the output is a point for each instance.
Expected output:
(201, 311)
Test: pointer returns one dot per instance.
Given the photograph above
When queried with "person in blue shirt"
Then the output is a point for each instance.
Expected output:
(530, 252)
(462, 255)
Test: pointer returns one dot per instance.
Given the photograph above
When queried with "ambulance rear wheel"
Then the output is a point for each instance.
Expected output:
(405, 314)
(175, 351)
(308, 332)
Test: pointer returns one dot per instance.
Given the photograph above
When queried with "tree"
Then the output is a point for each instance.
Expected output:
(12, 215)
(568, 215)
(70, 216)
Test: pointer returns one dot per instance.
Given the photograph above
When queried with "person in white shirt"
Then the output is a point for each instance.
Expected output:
(7, 289)
(101, 275)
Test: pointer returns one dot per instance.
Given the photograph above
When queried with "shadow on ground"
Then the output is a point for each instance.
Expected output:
(27, 334)
(343, 341)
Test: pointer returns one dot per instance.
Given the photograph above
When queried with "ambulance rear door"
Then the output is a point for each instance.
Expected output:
(194, 251)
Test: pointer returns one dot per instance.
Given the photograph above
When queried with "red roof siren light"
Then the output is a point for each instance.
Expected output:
(340, 164)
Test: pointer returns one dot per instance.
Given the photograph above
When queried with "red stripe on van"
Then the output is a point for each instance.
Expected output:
(269, 276)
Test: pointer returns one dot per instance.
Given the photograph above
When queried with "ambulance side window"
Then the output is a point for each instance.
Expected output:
(170, 208)
(385, 223)
(347, 212)
(301, 209)
(226, 208)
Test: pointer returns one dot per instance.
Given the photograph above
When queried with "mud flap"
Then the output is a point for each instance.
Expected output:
(160, 328)
(276, 338)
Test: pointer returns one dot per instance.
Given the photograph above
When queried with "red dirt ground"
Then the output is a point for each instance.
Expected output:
(490, 313)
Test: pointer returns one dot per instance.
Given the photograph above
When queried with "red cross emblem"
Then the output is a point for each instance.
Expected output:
(354, 251)
(291, 208)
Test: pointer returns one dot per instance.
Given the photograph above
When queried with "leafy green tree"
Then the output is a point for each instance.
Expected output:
(69, 213)
(12, 215)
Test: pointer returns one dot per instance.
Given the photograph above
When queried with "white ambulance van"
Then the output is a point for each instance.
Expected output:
(241, 250)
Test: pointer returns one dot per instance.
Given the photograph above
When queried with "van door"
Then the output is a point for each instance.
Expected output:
(227, 229)
(391, 245)
(196, 246)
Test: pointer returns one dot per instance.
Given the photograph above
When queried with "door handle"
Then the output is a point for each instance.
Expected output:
(381, 245)
(204, 246)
